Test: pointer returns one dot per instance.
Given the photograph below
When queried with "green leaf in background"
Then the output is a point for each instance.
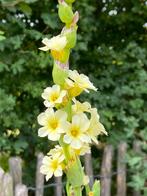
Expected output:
(25, 8)
(2, 37)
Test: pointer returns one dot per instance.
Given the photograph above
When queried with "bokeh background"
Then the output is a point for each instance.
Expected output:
(111, 49)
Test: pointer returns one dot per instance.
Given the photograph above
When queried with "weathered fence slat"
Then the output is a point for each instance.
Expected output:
(106, 171)
(1, 182)
(58, 188)
(8, 185)
(88, 167)
(121, 169)
(39, 176)
(15, 167)
(21, 190)
(137, 150)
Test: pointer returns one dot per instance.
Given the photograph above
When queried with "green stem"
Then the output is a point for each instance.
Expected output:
(65, 148)
(87, 188)
(77, 191)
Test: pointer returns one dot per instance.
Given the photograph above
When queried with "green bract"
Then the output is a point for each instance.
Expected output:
(75, 174)
(96, 188)
(59, 75)
(69, 1)
(65, 13)
(71, 37)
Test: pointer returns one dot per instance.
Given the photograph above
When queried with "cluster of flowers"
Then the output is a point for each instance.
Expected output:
(74, 125)
(77, 132)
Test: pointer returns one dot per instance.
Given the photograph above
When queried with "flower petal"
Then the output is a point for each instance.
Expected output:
(53, 136)
(61, 115)
(49, 175)
(44, 48)
(76, 144)
(58, 172)
(42, 132)
(41, 119)
(67, 139)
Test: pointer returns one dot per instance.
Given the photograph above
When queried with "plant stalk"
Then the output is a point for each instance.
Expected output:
(77, 191)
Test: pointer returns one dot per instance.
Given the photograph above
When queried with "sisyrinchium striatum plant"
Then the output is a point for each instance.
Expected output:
(72, 125)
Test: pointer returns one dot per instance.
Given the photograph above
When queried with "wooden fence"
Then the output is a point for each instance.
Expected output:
(11, 183)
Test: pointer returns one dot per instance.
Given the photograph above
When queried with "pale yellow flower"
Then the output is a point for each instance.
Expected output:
(95, 128)
(54, 123)
(78, 82)
(57, 151)
(85, 149)
(75, 135)
(79, 107)
(56, 43)
(51, 166)
(53, 95)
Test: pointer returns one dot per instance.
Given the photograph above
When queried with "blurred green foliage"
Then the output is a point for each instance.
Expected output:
(111, 50)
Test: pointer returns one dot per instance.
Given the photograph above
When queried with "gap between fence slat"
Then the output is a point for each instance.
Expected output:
(39, 176)
(88, 167)
(106, 171)
(121, 169)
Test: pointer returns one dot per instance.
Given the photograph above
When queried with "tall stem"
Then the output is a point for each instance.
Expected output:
(77, 191)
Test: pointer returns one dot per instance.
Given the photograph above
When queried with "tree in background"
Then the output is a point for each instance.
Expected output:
(111, 50)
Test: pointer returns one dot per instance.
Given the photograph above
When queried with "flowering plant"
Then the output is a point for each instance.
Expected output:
(66, 121)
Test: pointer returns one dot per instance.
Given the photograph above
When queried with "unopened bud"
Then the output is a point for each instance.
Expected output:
(65, 13)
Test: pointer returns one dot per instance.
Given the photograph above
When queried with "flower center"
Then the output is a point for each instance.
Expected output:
(54, 97)
(75, 131)
(53, 123)
(54, 164)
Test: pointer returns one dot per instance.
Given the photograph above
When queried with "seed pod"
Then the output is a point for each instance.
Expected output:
(65, 13)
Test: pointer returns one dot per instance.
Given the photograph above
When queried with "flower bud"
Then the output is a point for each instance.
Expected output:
(65, 13)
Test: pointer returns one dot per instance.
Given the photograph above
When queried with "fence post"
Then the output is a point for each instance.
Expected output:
(137, 150)
(21, 190)
(121, 169)
(88, 167)
(58, 187)
(15, 167)
(1, 182)
(8, 185)
(106, 171)
(39, 176)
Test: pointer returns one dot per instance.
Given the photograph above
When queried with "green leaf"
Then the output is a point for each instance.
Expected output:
(25, 8)
(50, 20)
(2, 37)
